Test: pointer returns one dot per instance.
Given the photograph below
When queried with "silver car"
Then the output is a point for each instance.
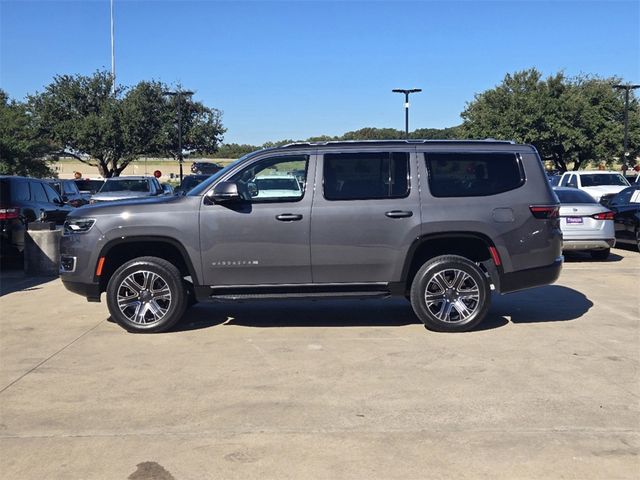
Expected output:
(127, 188)
(585, 224)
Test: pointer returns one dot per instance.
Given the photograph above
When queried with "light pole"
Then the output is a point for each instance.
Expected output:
(406, 106)
(113, 53)
(179, 94)
(627, 88)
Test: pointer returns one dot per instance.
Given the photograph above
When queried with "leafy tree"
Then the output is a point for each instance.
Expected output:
(85, 119)
(22, 151)
(569, 120)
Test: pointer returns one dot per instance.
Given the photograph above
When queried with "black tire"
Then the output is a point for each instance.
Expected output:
(152, 294)
(600, 254)
(439, 278)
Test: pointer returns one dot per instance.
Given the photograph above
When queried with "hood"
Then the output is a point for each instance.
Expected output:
(124, 195)
(117, 207)
(597, 192)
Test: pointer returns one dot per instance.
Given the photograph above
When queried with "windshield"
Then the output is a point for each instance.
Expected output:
(598, 179)
(125, 186)
(204, 186)
(277, 183)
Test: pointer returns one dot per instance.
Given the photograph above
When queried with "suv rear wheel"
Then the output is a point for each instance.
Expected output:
(450, 294)
(146, 294)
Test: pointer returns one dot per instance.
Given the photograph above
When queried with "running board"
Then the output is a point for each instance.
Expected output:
(235, 297)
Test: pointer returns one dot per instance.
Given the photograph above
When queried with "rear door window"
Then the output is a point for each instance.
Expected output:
(366, 176)
(455, 174)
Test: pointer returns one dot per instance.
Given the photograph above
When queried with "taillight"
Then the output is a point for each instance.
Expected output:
(545, 211)
(603, 216)
(9, 213)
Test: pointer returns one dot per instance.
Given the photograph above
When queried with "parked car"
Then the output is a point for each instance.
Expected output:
(208, 168)
(278, 186)
(626, 208)
(442, 223)
(190, 181)
(22, 201)
(68, 191)
(595, 182)
(586, 225)
(127, 188)
(89, 186)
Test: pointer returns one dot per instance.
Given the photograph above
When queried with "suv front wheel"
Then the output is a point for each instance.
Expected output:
(450, 294)
(146, 294)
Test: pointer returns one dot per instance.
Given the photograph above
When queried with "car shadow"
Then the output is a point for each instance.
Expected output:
(578, 257)
(14, 280)
(552, 303)
(300, 313)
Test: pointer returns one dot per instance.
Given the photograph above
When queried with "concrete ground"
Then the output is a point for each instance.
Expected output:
(548, 387)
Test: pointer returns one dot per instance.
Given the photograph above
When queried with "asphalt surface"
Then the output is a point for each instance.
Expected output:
(547, 387)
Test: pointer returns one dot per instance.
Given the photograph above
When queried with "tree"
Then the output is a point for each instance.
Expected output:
(569, 120)
(22, 151)
(85, 119)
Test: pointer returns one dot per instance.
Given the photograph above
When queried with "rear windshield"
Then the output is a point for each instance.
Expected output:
(89, 185)
(596, 179)
(125, 186)
(574, 196)
(14, 190)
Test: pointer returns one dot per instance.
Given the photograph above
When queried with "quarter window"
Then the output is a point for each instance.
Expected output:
(276, 179)
(473, 174)
(38, 192)
(364, 176)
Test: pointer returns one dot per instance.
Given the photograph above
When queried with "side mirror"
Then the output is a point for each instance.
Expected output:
(225, 192)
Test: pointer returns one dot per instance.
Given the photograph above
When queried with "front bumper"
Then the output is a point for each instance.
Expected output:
(91, 291)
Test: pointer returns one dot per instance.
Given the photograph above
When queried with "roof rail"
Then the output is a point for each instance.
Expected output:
(392, 142)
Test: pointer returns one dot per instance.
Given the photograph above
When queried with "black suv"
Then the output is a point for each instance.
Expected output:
(442, 223)
(205, 168)
(24, 200)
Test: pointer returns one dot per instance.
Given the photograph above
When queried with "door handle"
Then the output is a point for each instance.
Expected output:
(399, 214)
(289, 217)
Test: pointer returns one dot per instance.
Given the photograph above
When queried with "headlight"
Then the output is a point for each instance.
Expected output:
(78, 225)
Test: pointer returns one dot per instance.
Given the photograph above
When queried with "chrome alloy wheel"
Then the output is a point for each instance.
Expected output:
(144, 297)
(452, 295)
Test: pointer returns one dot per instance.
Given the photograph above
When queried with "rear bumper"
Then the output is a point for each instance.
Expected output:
(91, 291)
(596, 244)
(531, 277)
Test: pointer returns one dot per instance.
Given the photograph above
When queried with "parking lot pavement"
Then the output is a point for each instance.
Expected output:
(547, 387)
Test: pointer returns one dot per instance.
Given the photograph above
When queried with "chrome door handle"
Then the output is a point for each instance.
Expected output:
(289, 217)
(399, 214)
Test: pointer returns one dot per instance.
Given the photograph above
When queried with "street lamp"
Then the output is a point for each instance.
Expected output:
(179, 94)
(627, 88)
(406, 106)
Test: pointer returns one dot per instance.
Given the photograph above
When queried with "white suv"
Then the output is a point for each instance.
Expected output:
(595, 182)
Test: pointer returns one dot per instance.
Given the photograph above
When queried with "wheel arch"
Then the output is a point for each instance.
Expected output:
(120, 250)
(472, 245)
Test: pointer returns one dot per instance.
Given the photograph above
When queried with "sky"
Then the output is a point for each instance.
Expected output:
(296, 69)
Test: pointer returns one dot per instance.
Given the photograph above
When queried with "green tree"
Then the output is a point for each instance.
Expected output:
(569, 120)
(22, 150)
(85, 119)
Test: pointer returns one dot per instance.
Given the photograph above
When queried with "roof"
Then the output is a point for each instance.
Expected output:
(132, 177)
(591, 172)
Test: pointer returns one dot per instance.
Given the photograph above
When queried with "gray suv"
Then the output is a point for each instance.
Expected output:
(442, 223)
